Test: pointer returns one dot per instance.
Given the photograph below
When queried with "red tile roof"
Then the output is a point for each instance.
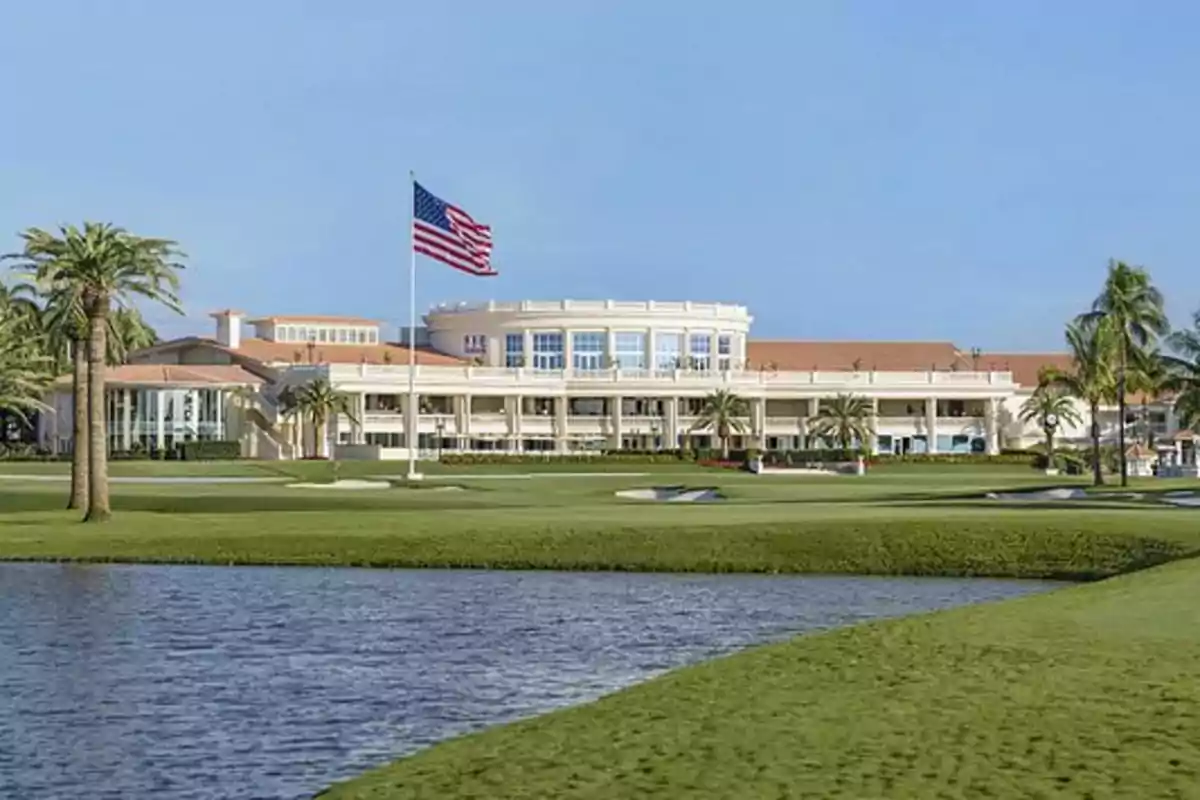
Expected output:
(833, 356)
(316, 318)
(175, 375)
(316, 353)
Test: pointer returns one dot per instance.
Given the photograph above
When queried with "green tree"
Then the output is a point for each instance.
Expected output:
(724, 414)
(843, 419)
(1148, 379)
(1051, 407)
(24, 369)
(1135, 308)
(97, 270)
(318, 401)
(1091, 377)
(1182, 366)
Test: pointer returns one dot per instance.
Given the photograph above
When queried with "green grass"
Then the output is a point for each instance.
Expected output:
(1089, 692)
(1084, 692)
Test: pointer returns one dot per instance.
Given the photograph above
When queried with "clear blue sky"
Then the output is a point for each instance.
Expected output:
(942, 169)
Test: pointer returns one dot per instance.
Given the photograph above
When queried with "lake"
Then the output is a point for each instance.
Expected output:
(202, 682)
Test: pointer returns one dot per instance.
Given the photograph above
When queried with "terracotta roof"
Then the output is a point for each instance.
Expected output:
(1025, 367)
(175, 374)
(1139, 450)
(883, 356)
(315, 318)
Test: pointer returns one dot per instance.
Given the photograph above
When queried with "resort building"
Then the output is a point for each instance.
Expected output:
(562, 376)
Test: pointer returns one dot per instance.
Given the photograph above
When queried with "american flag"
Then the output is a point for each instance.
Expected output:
(448, 234)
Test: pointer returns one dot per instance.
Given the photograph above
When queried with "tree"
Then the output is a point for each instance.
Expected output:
(24, 370)
(1135, 307)
(1091, 378)
(723, 413)
(1147, 378)
(319, 401)
(1182, 367)
(844, 418)
(128, 332)
(1051, 408)
(97, 271)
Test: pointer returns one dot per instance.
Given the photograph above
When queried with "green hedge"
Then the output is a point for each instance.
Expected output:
(210, 451)
(1018, 458)
(604, 457)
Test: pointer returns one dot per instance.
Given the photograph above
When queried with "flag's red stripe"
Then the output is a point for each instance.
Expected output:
(480, 261)
(449, 238)
(470, 270)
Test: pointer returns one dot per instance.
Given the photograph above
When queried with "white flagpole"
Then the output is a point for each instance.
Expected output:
(413, 422)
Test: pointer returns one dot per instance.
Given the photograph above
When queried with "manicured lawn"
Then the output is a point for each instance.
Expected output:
(1084, 692)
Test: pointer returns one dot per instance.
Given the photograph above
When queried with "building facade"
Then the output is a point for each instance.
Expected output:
(565, 376)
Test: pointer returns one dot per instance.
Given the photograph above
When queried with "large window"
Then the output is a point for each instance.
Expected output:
(587, 350)
(700, 351)
(668, 348)
(724, 352)
(514, 349)
(547, 351)
(629, 350)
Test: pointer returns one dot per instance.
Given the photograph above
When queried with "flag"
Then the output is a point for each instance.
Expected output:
(448, 234)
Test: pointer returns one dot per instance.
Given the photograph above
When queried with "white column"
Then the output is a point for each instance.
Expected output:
(873, 424)
(411, 409)
(160, 426)
(220, 396)
(759, 422)
(670, 432)
(931, 424)
(650, 351)
(514, 421)
(360, 410)
(464, 421)
(126, 420)
(614, 439)
(990, 424)
(568, 350)
(560, 424)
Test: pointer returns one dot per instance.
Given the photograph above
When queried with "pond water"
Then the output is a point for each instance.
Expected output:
(198, 682)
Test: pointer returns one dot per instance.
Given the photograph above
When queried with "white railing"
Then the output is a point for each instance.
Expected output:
(526, 376)
(534, 306)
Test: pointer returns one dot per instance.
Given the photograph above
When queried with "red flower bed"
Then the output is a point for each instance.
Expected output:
(721, 464)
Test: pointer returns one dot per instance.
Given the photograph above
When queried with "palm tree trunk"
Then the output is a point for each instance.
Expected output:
(318, 437)
(1097, 473)
(1121, 416)
(79, 426)
(98, 508)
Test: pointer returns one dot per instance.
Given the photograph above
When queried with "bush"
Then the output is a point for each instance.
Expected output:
(209, 451)
(17, 451)
(601, 457)
(801, 458)
(1019, 458)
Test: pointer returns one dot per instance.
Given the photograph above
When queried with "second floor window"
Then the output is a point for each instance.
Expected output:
(475, 344)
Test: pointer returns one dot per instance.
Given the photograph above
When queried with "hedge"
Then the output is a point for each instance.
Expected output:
(210, 451)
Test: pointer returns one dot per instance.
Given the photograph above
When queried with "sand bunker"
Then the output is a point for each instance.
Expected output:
(1039, 496)
(346, 484)
(671, 494)
(1188, 499)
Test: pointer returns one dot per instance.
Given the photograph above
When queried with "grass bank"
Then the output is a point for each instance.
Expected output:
(1084, 692)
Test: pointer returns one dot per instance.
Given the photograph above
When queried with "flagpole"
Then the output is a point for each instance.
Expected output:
(414, 421)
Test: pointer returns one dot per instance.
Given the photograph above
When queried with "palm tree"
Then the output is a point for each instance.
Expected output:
(96, 271)
(844, 418)
(723, 413)
(127, 333)
(24, 370)
(1148, 378)
(1091, 378)
(1135, 307)
(1183, 373)
(318, 401)
(1050, 407)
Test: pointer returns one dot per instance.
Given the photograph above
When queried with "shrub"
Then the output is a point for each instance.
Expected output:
(209, 451)
(1018, 458)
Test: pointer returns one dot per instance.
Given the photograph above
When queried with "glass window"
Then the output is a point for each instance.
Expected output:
(700, 351)
(668, 349)
(724, 352)
(514, 349)
(547, 351)
(630, 350)
(343, 335)
(587, 350)
(372, 337)
(475, 344)
(322, 335)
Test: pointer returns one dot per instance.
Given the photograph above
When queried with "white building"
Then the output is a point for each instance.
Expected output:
(560, 376)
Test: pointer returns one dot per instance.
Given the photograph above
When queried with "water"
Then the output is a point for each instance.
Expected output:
(204, 682)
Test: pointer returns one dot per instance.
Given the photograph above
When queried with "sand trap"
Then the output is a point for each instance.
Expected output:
(671, 494)
(796, 471)
(1186, 499)
(346, 484)
(1039, 496)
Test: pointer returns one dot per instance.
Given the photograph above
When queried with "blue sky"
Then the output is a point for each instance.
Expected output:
(942, 169)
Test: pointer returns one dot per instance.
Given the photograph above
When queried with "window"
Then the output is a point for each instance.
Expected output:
(700, 351)
(667, 350)
(474, 344)
(343, 335)
(587, 350)
(322, 335)
(514, 349)
(372, 337)
(385, 439)
(724, 352)
(630, 350)
(547, 351)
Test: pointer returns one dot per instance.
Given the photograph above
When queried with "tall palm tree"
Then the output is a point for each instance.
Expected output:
(724, 414)
(844, 419)
(319, 401)
(94, 271)
(1147, 378)
(1051, 407)
(1135, 307)
(1091, 378)
(127, 333)
(1183, 373)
